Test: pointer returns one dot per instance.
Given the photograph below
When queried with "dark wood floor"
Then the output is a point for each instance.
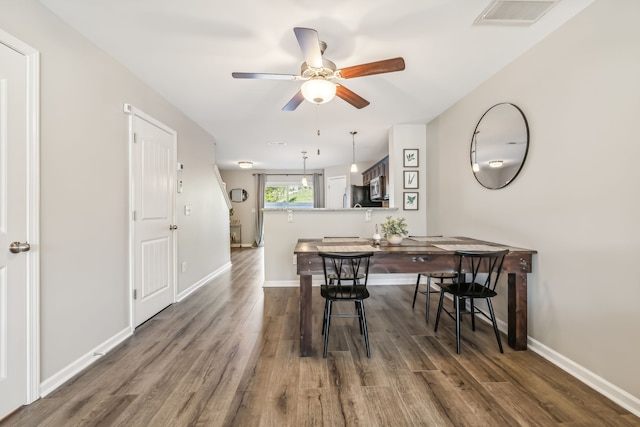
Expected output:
(228, 356)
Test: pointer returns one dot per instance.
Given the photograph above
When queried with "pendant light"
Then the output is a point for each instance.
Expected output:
(304, 169)
(354, 168)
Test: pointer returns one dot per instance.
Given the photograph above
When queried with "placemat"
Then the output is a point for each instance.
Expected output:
(478, 248)
(343, 239)
(433, 239)
(348, 248)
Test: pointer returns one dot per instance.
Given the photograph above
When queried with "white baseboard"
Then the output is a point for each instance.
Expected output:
(65, 374)
(599, 384)
(191, 289)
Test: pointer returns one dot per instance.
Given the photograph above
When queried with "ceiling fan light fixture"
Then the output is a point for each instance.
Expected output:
(318, 90)
(245, 165)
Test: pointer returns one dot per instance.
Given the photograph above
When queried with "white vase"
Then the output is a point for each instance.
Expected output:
(394, 239)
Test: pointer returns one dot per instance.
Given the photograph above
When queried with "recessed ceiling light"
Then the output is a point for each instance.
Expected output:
(279, 143)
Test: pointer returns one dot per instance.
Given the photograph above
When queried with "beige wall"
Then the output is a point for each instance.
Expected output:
(576, 200)
(245, 212)
(84, 187)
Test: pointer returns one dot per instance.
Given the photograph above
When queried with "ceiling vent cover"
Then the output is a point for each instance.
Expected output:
(514, 11)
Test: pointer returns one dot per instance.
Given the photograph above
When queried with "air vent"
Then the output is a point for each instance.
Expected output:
(515, 11)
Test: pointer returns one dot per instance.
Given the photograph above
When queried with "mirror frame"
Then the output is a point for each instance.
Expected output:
(474, 141)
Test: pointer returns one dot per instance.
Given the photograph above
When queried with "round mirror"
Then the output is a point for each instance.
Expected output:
(499, 145)
(238, 195)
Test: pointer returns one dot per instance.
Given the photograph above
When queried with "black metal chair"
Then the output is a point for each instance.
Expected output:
(441, 276)
(345, 279)
(478, 275)
(333, 277)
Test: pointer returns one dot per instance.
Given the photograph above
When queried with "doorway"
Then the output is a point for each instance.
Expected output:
(153, 226)
(336, 192)
(19, 219)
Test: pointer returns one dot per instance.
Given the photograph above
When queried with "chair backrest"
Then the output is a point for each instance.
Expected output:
(347, 271)
(484, 268)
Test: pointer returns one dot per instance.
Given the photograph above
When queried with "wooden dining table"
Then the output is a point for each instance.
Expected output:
(416, 254)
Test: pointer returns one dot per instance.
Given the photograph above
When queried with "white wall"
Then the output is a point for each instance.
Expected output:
(84, 187)
(576, 199)
(281, 236)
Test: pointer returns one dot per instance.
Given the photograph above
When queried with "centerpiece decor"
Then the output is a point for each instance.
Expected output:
(394, 229)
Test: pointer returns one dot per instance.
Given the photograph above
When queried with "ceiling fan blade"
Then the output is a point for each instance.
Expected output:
(378, 67)
(351, 97)
(294, 102)
(270, 76)
(310, 46)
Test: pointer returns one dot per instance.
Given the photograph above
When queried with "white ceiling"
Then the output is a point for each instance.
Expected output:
(186, 50)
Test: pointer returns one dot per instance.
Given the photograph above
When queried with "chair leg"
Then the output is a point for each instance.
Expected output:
(326, 328)
(364, 326)
(359, 313)
(415, 293)
(428, 299)
(324, 317)
(495, 324)
(473, 315)
(457, 324)
(435, 329)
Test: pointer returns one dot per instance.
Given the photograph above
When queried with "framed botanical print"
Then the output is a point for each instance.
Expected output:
(410, 158)
(410, 202)
(410, 179)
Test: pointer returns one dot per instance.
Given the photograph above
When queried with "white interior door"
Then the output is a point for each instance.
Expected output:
(154, 175)
(336, 192)
(17, 116)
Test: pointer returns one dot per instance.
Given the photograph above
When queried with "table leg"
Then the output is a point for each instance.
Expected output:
(305, 315)
(517, 311)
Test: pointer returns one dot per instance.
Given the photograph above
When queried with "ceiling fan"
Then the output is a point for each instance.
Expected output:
(320, 75)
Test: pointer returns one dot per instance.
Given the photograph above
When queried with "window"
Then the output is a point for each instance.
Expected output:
(287, 196)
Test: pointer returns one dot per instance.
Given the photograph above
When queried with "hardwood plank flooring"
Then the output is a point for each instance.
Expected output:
(229, 356)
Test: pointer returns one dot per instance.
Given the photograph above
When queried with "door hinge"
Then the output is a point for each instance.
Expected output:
(135, 294)
(135, 137)
(134, 216)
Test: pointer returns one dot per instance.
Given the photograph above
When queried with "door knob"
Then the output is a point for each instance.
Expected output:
(173, 227)
(17, 247)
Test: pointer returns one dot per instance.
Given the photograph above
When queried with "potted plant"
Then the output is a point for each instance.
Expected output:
(394, 229)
